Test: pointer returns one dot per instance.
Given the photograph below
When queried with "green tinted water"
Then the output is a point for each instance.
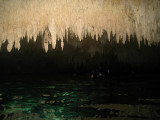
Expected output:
(77, 101)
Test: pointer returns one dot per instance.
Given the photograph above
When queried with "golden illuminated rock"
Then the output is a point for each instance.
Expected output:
(31, 17)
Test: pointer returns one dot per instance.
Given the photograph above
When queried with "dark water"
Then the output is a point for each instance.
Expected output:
(77, 99)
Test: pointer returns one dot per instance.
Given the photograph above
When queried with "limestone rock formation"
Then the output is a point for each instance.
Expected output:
(31, 17)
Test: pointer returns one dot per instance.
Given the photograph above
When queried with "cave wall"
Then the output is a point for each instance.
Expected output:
(31, 17)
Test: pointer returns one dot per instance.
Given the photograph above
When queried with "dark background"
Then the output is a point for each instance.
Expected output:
(82, 57)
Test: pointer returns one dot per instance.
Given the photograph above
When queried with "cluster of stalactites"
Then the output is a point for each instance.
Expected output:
(18, 17)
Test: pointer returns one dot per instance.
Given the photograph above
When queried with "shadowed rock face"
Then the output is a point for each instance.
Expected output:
(140, 17)
(80, 57)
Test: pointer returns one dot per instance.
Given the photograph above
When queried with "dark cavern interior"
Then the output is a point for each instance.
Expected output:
(79, 59)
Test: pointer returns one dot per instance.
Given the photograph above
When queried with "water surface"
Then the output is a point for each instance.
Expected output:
(76, 98)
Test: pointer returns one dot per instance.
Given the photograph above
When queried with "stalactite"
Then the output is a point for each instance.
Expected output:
(18, 17)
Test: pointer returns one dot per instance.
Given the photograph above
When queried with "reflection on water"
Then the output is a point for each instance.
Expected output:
(86, 101)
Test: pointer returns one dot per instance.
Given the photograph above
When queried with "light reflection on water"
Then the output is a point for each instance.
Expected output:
(52, 101)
